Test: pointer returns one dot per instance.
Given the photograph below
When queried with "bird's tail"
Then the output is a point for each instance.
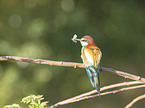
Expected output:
(94, 77)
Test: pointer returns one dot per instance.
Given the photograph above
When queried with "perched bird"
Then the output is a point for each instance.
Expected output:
(91, 56)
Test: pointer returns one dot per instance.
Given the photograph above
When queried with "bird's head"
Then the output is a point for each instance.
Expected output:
(86, 40)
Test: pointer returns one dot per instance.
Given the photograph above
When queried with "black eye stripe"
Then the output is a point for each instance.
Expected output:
(84, 40)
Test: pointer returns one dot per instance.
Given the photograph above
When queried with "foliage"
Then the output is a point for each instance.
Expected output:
(12, 106)
(33, 101)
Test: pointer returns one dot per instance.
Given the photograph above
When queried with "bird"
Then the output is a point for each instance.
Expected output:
(91, 55)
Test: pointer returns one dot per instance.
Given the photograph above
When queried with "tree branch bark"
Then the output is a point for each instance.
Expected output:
(89, 94)
(139, 80)
(135, 100)
(69, 64)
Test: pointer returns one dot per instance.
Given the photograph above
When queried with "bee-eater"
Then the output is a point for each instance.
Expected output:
(91, 56)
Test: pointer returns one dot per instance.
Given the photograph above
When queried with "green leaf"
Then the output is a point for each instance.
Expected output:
(34, 101)
(12, 106)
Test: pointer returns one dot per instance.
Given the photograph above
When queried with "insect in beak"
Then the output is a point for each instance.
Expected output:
(75, 39)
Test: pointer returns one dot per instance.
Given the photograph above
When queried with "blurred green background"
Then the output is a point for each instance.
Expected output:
(44, 28)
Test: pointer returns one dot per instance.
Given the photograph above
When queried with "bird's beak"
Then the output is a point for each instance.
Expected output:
(78, 39)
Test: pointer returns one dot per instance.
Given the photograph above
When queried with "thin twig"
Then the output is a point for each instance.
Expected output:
(110, 92)
(89, 94)
(69, 64)
(135, 100)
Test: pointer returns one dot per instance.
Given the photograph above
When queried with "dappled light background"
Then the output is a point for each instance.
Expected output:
(44, 28)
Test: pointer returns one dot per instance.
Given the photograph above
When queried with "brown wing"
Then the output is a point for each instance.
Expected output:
(96, 54)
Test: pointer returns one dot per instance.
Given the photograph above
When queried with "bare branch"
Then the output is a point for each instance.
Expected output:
(68, 64)
(135, 100)
(89, 94)
(80, 65)
(41, 61)
(110, 92)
